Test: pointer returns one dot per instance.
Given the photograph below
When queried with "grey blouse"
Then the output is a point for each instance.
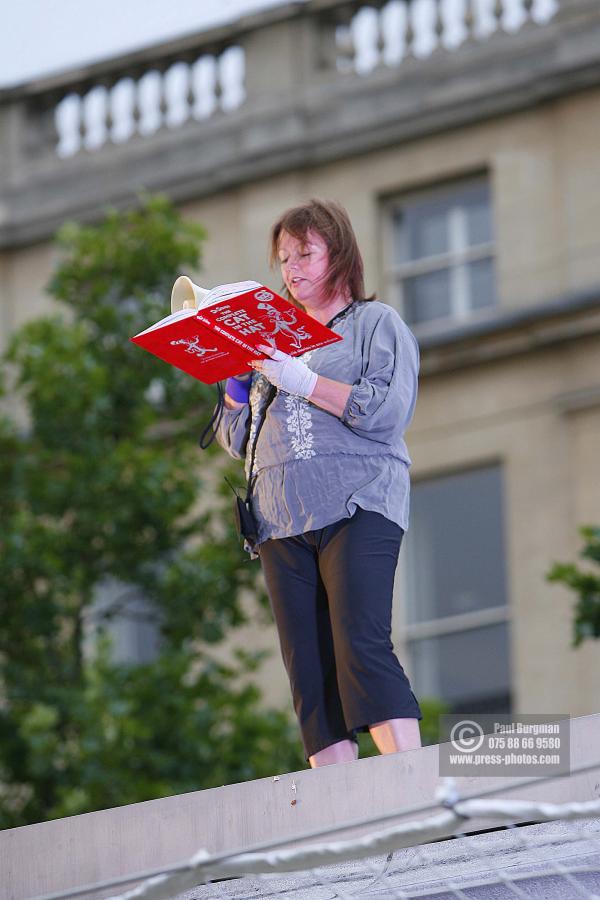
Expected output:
(313, 468)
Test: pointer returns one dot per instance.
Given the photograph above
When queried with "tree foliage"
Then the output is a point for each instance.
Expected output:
(102, 485)
(586, 584)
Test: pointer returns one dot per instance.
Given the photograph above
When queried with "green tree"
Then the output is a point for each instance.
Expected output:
(103, 484)
(585, 583)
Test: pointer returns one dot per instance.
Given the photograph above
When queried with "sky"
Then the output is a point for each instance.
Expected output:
(39, 37)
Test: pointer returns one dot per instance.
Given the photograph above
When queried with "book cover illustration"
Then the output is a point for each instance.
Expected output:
(219, 340)
(186, 344)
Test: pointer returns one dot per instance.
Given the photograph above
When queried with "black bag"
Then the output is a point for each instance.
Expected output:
(245, 522)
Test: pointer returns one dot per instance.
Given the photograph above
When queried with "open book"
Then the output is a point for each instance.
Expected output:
(217, 338)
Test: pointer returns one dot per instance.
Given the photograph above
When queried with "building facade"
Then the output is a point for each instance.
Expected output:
(463, 141)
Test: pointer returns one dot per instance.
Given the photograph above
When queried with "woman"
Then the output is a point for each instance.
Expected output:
(331, 490)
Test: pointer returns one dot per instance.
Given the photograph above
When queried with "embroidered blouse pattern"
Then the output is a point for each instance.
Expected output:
(299, 424)
(299, 421)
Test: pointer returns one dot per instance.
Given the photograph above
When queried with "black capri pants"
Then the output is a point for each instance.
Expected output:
(331, 595)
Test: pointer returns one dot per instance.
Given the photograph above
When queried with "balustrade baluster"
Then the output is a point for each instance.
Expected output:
(50, 130)
(409, 31)
(469, 20)
(108, 118)
(218, 89)
(439, 24)
(498, 14)
(326, 50)
(380, 39)
(81, 123)
(344, 39)
(190, 95)
(528, 8)
(345, 50)
(136, 109)
(163, 102)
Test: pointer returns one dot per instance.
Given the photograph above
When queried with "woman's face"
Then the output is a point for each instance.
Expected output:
(304, 266)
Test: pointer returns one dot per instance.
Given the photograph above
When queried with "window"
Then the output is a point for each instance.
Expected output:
(455, 592)
(123, 612)
(440, 254)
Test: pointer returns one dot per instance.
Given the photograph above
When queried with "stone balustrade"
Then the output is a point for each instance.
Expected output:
(139, 103)
(390, 33)
(289, 83)
(177, 82)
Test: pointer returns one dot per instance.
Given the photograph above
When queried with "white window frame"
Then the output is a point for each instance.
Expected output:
(456, 258)
(405, 633)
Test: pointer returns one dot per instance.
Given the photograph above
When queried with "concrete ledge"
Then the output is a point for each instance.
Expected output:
(79, 850)
(500, 333)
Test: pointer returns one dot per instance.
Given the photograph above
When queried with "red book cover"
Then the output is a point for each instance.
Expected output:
(219, 340)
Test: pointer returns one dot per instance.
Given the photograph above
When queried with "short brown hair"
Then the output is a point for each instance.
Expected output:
(331, 222)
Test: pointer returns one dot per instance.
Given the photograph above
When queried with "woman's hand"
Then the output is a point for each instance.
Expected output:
(294, 376)
(237, 390)
(286, 372)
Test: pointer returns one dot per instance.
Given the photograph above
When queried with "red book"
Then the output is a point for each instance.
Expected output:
(219, 339)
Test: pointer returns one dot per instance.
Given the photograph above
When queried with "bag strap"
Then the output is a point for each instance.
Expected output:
(209, 432)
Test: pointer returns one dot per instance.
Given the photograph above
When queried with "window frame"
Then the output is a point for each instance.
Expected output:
(455, 260)
(406, 633)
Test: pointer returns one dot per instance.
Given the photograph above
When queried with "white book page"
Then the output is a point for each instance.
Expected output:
(217, 295)
(226, 291)
(174, 317)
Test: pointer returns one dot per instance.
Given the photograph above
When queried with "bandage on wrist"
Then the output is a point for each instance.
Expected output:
(309, 385)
